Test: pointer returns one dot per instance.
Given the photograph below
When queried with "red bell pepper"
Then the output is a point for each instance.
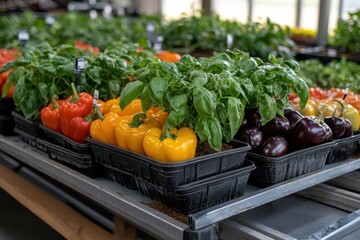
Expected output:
(77, 105)
(50, 116)
(80, 126)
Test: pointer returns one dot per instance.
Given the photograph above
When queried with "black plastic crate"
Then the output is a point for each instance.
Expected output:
(199, 195)
(344, 149)
(29, 139)
(28, 126)
(80, 162)
(169, 175)
(63, 141)
(272, 170)
(6, 124)
(6, 105)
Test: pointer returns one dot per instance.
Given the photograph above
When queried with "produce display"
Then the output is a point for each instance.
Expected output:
(347, 33)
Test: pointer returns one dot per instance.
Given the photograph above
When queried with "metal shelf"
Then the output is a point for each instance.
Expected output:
(130, 204)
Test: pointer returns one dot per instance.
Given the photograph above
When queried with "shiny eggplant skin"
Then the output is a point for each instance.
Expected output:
(348, 129)
(292, 116)
(252, 136)
(277, 126)
(328, 131)
(337, 125)
(306, 133)
(275, 146)
(244, 125)
(253, 118)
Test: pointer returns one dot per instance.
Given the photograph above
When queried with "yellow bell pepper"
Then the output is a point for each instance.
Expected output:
(349, 112)
(130, 131)
(131, 109)
(104, 130)
(109, 103)
(158, 114)
(309, 109)
(179, 148)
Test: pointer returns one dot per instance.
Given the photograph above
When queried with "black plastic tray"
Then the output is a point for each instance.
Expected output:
(169, 175)
(6, 124)
(30, 127)
(6, 105)
(29, 139)
(80, 162)
(344, 149)
(272, 170)
(199, 195)
(63, 141)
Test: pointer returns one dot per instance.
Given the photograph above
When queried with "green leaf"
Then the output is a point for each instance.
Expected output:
(175, 119)
(218, 66)
(169, 67)
(157, 86)
(236, 113)
(204, 101)
(258, 75)
(215, 133)
(178, 102)
(145, 100)
(44, 95)
(114, 87)
(202, 129)
(302, 90)
(94, 74)
(131, 91)
(198, 78)
(31, 106)
(247, 64)
(267, 108)
(273, 59)
(6, 88)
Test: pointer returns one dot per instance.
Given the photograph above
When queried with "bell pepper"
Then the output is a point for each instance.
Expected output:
(347, 111)
(104, 129)
(180, 146)
(158, 114)
(80, 126)
(109, 103)
(131, 109)
(309, 109)
(50, 116)
(77, 105)
(130, 131)
(169, 56)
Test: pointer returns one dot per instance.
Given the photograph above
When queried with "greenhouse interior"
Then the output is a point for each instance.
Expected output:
(180, 120)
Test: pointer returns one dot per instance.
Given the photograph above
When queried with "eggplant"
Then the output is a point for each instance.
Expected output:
(292, 116)
(244, 125)
(274, 146)
(252, 136)
(348, 129)
(328, 131)
(277, 126)
(253, 118)
(306, 133)
(337, 125)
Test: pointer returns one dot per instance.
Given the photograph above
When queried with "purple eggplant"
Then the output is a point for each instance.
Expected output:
(292, 116)
(328, 131)
(348, 129)
(337, 125)
(253, 118)
(244, 125)
(306, 133)
(252, 136)
(277, 126)
(274, 146)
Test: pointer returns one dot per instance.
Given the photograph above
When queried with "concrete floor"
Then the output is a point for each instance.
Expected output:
(18, 223)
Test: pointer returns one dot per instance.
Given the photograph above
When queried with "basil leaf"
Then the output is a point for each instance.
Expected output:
(267, 108)
(94, 74)
(198, 78)
(302, 90)
(204, 101)
(235, 111)
(178, 102)
(175, 119)
(131, 91)
(215, 133)
(114, 88)
(157, 86)
(145, 100)
(247, 64)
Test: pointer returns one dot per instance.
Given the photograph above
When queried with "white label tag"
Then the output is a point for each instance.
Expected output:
(23, 36)
(96, 97)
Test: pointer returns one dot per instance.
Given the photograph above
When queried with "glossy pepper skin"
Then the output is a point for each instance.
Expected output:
(77, 105)
(158, 114)
(131, 109)
(80, 129)
(109, 103)
(352, 114)
(104, 130)
(50, 115)
(182, 147)
(130, 131)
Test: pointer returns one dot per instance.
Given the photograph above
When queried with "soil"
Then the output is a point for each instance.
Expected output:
(168, 211)
(204, 148)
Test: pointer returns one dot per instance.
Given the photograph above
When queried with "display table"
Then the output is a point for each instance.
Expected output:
(130, 208)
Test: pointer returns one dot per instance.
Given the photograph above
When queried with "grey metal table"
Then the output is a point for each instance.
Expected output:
(131, 206)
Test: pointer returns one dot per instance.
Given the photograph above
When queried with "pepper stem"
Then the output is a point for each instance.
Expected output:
(54, 102)
(75, 97)
(342, 107)
(137, 120)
